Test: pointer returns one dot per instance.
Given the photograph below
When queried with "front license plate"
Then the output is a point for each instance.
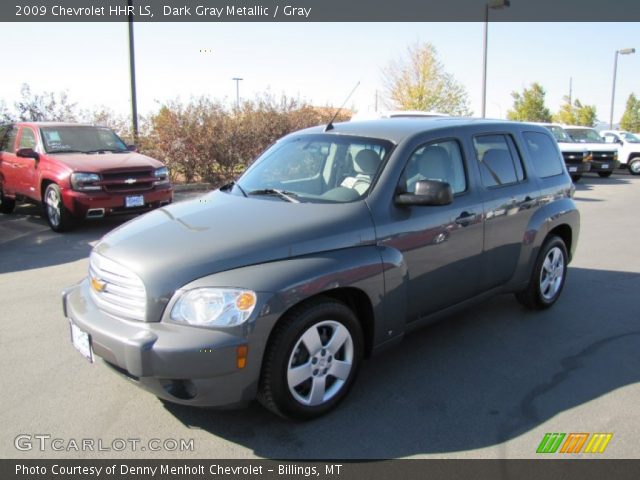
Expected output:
(605, 165)
(573, 169)
(82, 341)
(134, 201)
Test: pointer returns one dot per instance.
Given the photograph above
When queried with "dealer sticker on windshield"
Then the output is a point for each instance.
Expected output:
(134, 201)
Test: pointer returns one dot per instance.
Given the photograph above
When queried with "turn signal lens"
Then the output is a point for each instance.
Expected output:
(246, 301)
(241, 356)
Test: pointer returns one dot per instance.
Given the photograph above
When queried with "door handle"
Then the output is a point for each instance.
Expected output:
(466, 218)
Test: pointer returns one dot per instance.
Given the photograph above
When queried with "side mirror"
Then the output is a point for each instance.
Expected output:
(28, 153)
(132, 148)
(428, 192)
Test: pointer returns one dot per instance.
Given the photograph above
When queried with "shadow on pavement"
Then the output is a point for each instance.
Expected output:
(479, 379)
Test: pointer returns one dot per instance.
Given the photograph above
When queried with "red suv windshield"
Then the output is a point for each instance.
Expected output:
(84, 139)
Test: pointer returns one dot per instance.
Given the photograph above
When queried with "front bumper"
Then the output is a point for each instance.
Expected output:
(604, 165)
(182, 364)
(578, 168)
(79, 203)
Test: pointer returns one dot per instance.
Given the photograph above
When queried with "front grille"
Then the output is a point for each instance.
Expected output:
(572, 157)
(128, 181)
(603, 156)
(116, 290)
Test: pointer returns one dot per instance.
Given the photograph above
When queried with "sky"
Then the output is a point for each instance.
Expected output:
(317, 62)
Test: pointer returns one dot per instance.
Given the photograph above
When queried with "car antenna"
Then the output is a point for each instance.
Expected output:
(330, 124)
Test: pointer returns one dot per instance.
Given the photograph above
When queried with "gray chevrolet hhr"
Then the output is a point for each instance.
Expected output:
(336, 242)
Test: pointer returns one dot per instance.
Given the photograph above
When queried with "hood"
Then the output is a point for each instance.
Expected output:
(599, 147)
(572, 147)
(174, 245)
(102, 162)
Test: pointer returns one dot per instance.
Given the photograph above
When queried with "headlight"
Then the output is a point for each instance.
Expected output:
(214, 307)
(85, 181)
(162, 176)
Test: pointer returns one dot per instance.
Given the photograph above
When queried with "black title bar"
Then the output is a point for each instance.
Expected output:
(319, 11)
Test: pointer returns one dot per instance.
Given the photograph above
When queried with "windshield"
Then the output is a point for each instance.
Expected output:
(630, 137)
(325, 168)
(559, 134)
(585, 135)
(81, 138)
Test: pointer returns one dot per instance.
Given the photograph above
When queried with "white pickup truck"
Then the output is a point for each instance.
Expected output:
(628, 146)
(576, 156)
(604, 157)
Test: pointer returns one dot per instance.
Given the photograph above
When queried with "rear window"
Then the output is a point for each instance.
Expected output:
(544, 154)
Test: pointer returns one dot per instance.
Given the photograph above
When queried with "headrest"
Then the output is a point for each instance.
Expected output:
(366, 162)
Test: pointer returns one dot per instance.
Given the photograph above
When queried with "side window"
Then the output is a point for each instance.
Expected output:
(544, 154)
(9, 140)
(27, 138)
(436, 161)
(500, 162)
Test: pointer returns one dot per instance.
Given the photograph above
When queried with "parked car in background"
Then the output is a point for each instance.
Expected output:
(332, 246)
(576, 156)
(77, 171)
(604, 158)
(628, 146)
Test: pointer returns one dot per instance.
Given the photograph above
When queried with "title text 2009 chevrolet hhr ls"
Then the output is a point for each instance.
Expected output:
(335, 243)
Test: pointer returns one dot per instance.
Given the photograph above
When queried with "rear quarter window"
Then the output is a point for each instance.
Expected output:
(544, 154)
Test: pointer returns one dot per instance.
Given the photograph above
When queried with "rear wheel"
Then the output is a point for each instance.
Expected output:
(58, 217)
(605, 174)
(634, 166)
(548, 277)
(312, 360)
(6, 204)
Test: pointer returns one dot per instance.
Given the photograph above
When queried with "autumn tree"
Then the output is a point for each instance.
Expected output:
(529, 106)
(576, 113)
(631, 118)
(418, 81)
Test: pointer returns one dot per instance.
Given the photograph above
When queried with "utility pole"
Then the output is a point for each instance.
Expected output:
(237, 80)
(570, 90)
(132, 73)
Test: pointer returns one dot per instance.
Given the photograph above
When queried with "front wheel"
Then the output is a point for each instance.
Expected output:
(605, 174)
(58, 217)
(634, 166)
(312, 360)
(6, 204)
(548, 277)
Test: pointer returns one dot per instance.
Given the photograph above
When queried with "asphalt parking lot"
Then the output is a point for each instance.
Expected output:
(488, 383)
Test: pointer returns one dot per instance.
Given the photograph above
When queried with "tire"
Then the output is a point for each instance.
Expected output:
(57, 215)
(297, 381)
(634, 166)
(6, 204)
(576, 178)
(605, 174)
(537, 295)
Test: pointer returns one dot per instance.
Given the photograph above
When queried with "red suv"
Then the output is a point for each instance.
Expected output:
(77, 171)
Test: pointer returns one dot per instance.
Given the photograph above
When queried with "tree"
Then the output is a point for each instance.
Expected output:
(576, 114)
(529, 105)
(5, 115)
(418, 81)
(631, 118)
(47, 106)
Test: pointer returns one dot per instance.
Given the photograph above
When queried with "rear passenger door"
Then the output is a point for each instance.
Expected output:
(509, 198)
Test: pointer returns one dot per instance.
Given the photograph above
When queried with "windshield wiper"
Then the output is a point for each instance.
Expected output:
(101, 150)
(65, 150)
(284, 194)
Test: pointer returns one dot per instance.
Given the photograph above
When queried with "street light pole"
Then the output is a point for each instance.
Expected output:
(237, 80)
(624, 51)
(132, 73)
(493, 4)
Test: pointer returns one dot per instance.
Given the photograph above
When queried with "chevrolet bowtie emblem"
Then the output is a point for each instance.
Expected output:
(98, 285)
(129, 181)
